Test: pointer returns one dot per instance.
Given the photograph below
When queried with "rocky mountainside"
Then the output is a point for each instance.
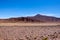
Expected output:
(36, 18)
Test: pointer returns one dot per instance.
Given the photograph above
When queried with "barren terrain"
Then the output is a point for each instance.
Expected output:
(29, 24)
(29, 31)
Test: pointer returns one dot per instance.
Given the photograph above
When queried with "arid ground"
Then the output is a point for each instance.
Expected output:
(29, 31)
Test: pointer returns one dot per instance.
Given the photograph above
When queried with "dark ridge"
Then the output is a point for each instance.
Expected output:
(36, 18)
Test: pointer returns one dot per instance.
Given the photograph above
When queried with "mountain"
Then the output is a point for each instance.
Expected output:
(46, 18)
(36, 18)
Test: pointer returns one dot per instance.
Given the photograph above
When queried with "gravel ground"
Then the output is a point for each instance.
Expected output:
(30, 33)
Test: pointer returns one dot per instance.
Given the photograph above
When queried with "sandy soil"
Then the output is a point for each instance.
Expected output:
(30, 33)
(29, 24)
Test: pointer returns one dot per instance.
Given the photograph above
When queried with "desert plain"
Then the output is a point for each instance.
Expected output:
(29, 31)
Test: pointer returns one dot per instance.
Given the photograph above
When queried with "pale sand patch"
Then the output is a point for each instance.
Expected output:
(29, 24)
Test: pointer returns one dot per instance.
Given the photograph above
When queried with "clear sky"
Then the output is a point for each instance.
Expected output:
(17, 8)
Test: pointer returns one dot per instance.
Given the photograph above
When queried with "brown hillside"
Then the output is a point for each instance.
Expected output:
(36, 18)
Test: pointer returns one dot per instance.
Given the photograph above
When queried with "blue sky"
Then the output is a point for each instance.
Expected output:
(17, 8)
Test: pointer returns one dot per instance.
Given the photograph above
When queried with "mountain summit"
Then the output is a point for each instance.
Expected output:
(45, 18)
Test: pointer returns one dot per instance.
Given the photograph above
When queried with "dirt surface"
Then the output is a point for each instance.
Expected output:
(30, 33)
(29, 24)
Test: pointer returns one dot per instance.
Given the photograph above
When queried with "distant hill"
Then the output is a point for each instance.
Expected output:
(36, 18)
(44, 18)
